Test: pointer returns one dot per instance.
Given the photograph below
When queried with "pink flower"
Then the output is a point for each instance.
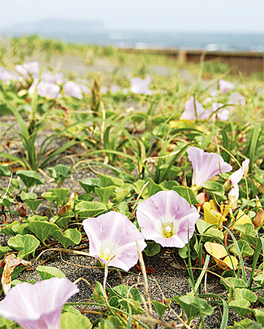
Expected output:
(236, 98)
(222, 114)
(167, 218)
(194, 111)
(225, 86)
(28, 69)
(48, 89)
(73, 89)
(114, 89)
(57, 78)
(236, 177)
(38, 306)
(112, 239)
(140, 86)
(206, 165)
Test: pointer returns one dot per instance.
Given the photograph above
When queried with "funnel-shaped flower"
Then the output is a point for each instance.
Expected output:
(28, 69)
(237, 98)
(206, 165)
(73, 89)
(225, 86)
(38, 306)
(222, 114)
(112, 239)
(48, 89)
(140, 86)
(167, 218)
(194, 110)
(235, 178)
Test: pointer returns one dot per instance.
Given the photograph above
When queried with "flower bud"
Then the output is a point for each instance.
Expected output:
(62, 212)
(259, 219)
(22, 210)
(70, 204)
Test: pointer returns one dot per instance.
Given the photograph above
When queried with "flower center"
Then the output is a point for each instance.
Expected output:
(105, 254)
(167, 230)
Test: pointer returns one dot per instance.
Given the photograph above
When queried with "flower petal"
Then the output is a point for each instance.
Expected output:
(112, 239)
(206, 165)
(167, 218)
(38, 306)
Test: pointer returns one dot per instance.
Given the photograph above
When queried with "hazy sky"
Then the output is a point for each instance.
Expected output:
(176, 15)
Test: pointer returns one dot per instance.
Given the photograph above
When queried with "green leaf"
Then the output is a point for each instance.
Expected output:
(245, 294)
(252, 240)
(246, 229)
(110, 180)
(8, 324)
(214, 187)
(3, 251)
(25, 244)
(98, 295)
(187, 193)
(193, 306)
(70, 237)
(31, 200)
(29, 178)
(244, 247)
(74, 321)
(9, 230)
(245, 324)
(152, 187)
(59, 173)
(152, 248)
(259, 315)
(61, 194)
(88, 184)
(43, 230)
(232, 283)
(48, 272)
(159, 307)
(169, 185)
(86, 209)
(203, 229)
(241, 307)
(105, 193)
(4, 171)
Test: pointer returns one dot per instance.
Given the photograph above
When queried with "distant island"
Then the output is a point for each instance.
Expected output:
(50, 26)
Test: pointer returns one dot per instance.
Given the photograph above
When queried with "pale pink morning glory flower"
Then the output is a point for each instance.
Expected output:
(7, 76)
(4, 74)
(114, 89)
(140, 86)
(28, 69)
(225, 86)
(48, 76)
(222, 114)
(236, 98)
(236, 177)
(167, 218)
(48, 89)
(38, 306)
(206, 165)
(190, 108)
(73, 89)
(112, 239)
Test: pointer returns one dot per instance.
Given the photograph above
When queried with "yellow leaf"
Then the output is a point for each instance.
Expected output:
(211, 215)
(241, 219)
(226, 263)
(216, 250)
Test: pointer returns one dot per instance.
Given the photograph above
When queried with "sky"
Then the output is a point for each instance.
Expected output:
(151, 15)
